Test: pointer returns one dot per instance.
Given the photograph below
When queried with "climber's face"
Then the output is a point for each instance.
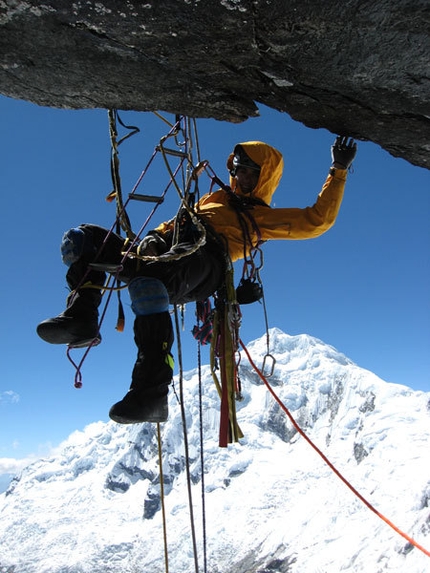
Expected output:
(247, 179)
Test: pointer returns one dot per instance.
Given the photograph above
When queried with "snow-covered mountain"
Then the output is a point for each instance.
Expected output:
(268, 505)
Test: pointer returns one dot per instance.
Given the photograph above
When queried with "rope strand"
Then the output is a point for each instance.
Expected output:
(186, 445)
(202, 460)
(163, 505)
(327, 461)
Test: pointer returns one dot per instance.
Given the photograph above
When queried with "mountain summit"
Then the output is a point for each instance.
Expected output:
(269, 504)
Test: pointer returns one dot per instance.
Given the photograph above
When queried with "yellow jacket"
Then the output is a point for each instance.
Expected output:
(276, 223)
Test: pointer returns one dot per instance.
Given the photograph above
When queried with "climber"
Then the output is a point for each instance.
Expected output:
(236, 218)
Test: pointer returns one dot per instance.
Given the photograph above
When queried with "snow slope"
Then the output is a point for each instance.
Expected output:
(270, 503)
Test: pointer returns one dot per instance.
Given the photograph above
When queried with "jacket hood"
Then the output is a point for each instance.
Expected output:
(272, 164)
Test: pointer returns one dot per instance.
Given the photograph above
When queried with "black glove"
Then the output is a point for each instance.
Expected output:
(343, 152)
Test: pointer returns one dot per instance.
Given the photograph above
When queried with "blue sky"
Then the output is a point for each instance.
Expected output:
(363, 287)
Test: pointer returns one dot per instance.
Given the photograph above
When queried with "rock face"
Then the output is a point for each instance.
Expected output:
(358, 67)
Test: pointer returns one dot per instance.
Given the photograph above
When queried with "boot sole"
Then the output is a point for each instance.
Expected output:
(159, 414)
(53, 335)
(126, 420)
(84, 343)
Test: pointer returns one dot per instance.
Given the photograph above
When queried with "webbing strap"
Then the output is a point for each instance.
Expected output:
(223, 347)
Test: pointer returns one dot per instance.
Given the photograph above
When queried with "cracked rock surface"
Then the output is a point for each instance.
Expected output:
(359, 67)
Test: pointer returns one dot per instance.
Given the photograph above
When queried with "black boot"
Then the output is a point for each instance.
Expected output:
(146, 401)
(78, 325)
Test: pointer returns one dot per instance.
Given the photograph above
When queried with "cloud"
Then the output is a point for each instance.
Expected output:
(14, 465)
(9, 397)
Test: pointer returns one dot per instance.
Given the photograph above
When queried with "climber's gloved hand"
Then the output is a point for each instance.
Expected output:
(343, 152)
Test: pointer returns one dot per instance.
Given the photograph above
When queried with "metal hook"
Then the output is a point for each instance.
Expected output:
(272, 358)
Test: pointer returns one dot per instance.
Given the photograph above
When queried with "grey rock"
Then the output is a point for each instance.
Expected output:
(357, 68)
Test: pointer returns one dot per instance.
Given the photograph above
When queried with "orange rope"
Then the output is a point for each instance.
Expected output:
(327, 461)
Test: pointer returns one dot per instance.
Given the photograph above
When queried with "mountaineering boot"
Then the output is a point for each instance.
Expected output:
(78, 325)
(146, 400)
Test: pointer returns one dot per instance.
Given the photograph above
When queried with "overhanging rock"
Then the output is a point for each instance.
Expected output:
(359, 68)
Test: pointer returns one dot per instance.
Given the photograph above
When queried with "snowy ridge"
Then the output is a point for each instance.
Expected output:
(272, 504)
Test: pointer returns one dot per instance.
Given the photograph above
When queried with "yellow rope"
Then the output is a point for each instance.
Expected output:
(174, 257)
